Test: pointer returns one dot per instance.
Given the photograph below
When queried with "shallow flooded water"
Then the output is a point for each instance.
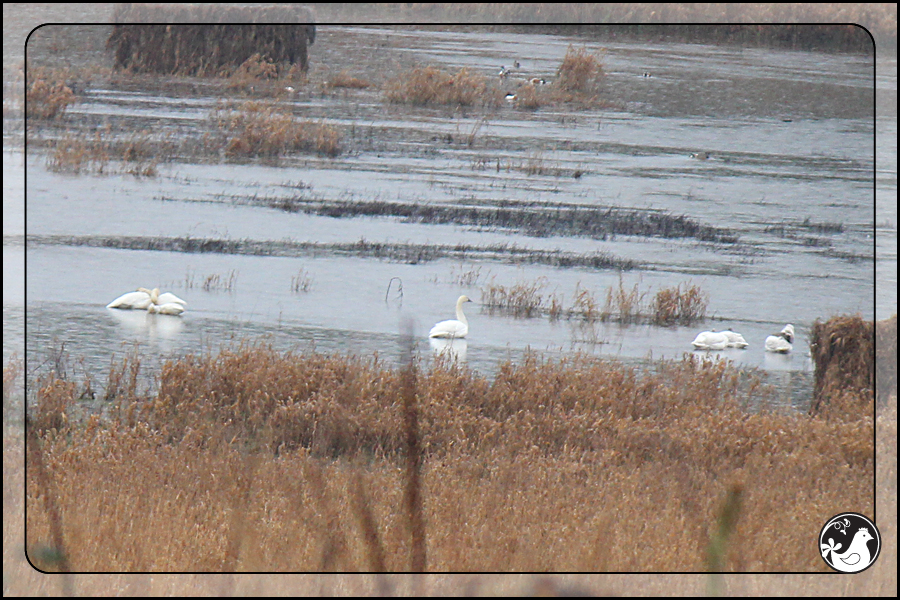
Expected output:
(785, 164)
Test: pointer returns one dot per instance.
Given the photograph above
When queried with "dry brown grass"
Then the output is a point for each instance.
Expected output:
(344, 80)
(626, 305)
(551, 465)
(579, 73)
(139, 154)
(427, 86)
(843, 350)
(47, 96)
(677, 305)
(263, 129)
(524, 299)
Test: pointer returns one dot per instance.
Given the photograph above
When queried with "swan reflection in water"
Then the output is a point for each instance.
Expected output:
(454, 348)
(146, 325)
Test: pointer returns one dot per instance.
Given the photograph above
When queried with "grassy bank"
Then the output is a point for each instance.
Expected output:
(256, 460)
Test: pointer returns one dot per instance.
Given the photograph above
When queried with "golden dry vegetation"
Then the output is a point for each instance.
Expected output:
(256, 460)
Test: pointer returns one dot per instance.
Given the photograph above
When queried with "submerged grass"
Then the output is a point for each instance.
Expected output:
(549, 465)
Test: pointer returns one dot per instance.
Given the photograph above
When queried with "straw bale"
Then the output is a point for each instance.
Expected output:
(209, 40)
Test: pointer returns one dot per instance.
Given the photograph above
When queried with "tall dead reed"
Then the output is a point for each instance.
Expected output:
(676, 305)
(843, 350)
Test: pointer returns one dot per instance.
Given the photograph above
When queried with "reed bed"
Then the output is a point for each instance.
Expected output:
(138, 153)
(550, 465)
(264, 129)
(209, 40)
(47, 96)
(685, 306)
(524, 299)
(426, 86)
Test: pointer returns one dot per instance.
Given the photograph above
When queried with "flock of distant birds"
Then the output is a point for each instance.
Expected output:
(506, 72)
(168, 303)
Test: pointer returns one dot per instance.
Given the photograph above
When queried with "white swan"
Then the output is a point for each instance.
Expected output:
(458, 328)
(165, 298)
(735, 340)
(719, 340)
(781, 342)
(132, 300)
(710, 340)
(168, 308)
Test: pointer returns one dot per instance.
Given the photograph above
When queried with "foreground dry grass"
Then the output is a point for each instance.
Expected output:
(259, 461)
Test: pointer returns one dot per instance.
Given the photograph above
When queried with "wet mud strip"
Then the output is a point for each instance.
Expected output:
(567, 220)
(408, 253)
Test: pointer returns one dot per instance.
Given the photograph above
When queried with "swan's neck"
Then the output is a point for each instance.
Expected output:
(459, 314)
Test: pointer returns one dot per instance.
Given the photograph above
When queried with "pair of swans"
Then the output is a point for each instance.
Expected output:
(453, 328)
(719, 340)
(152, 301)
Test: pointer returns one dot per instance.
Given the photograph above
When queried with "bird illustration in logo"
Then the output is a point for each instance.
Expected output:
(853, 559)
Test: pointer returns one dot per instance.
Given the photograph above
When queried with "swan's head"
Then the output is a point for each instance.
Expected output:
(462, 300)
(788, 333)
(154, 295)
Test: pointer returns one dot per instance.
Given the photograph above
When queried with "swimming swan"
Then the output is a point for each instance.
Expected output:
(458, 328)
(132, 300)
(719, 340)
(781, 342)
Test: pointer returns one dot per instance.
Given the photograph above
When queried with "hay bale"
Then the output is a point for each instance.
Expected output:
(843, 350)
(886, 359)
(208, 39)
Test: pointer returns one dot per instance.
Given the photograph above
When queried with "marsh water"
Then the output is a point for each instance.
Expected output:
(792, 171)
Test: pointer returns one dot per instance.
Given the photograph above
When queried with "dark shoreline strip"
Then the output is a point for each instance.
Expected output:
(408, 253)
(559, 219)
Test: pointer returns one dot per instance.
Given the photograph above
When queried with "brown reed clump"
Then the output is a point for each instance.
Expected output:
(579, 73)
(674, 305)
(843, 350)
(209, 40)
(625, 304)
(523, 299)
(548, 465)
(260, 129)
(428, 86)
(54, 399)
(47, 96)
(344, 80)
(886, 359)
